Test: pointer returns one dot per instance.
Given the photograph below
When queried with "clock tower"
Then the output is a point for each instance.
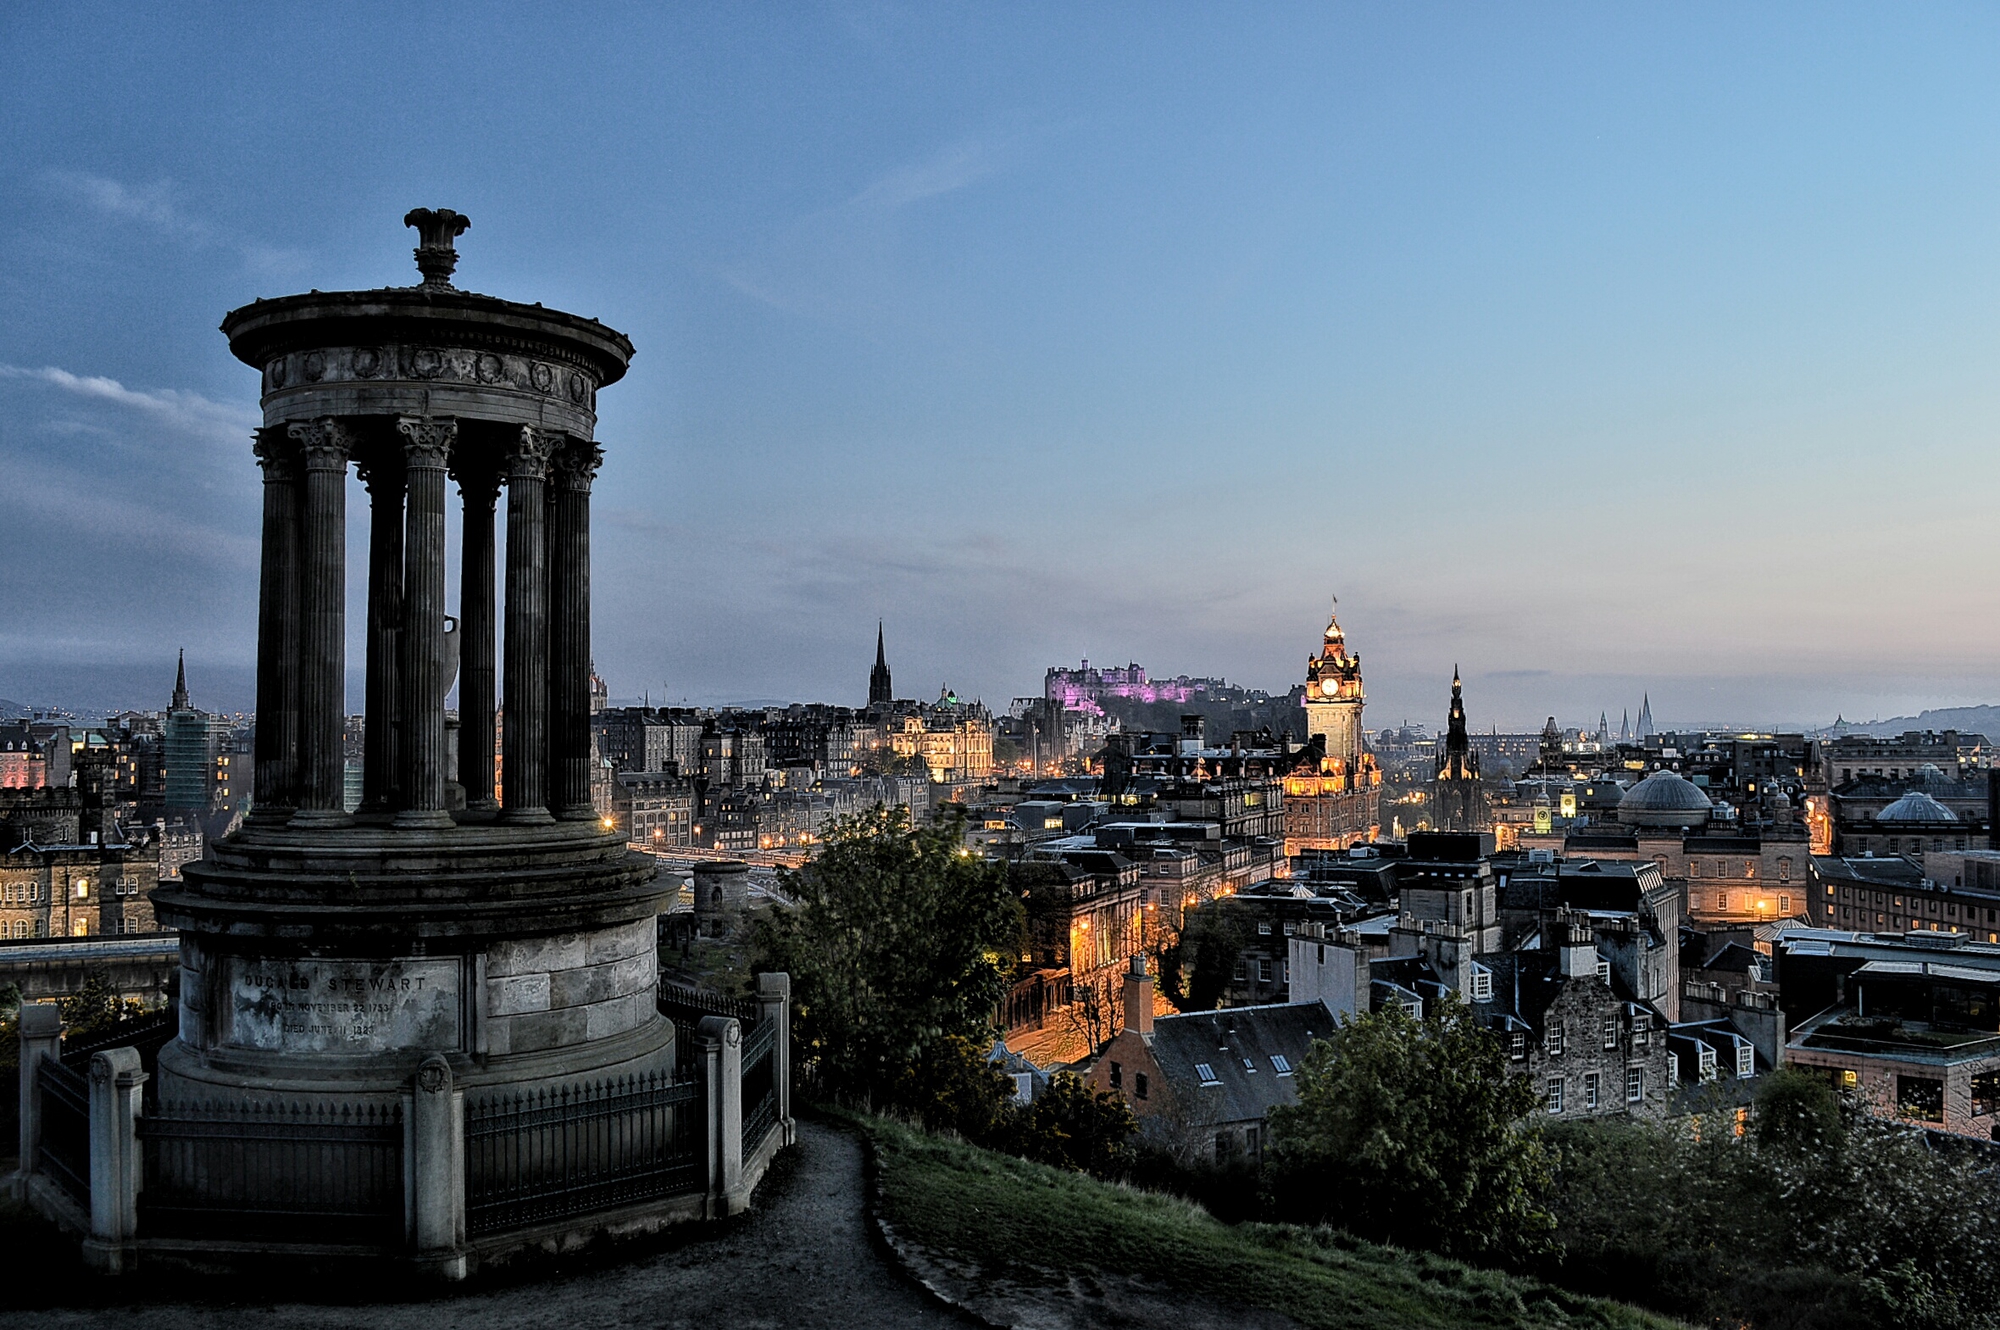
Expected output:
(1333, 696)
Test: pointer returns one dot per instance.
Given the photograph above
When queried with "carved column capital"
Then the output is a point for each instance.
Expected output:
(427, 442)
(478, 480)
(276, 453)
(576, 465)
(529, 457)
(325, 442)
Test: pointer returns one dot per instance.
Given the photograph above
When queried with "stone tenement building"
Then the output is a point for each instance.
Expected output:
(1333, 799)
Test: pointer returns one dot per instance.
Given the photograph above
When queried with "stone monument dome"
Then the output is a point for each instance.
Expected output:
(1664, 799)
(1916, 806)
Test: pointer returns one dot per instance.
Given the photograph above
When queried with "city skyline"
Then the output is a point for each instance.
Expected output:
(1599, 353)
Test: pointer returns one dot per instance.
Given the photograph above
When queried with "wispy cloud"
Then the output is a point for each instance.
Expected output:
(156, 206)
(184, 410)
(950, 168)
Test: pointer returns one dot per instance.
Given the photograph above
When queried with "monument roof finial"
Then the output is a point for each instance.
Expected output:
(436, 229)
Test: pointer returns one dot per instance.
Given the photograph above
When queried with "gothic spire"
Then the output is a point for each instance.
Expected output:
(180, 702)
(879, 690)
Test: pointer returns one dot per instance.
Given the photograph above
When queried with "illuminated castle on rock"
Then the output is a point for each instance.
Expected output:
(1331, 799)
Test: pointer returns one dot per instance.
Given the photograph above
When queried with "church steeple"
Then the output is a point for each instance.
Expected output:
(879, 691)
(1458, 798)
(180, 702)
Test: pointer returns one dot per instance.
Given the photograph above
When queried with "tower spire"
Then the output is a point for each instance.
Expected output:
(879, 691)
(180, 702)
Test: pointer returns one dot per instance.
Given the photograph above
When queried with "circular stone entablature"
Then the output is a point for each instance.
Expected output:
(427, 350)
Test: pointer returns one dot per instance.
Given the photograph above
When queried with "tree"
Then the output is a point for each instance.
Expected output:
(1197, 967)
(955, 1086)
(1411, 1132)
(1798, 1111)
(898, 937)
(1072, 1126)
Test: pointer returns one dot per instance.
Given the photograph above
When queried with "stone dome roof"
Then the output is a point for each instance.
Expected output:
(1916, 806)
(1664, 799)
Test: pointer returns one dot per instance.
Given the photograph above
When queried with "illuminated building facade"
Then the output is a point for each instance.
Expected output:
(1333, 798)
(1083, 688)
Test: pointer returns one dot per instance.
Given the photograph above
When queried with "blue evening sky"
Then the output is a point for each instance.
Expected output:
(1596, 348)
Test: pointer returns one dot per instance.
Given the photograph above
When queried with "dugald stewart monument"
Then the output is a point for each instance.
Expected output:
(427, 1029)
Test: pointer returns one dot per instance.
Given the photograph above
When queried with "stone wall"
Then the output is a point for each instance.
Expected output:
(554, 991)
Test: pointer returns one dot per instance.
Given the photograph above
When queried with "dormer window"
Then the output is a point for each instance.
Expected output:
(1482, 984)
(1746, 1061)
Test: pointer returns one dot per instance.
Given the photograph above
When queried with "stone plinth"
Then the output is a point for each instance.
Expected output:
(337, 963)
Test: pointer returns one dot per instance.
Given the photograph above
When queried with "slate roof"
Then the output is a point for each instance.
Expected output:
(1238, 1044)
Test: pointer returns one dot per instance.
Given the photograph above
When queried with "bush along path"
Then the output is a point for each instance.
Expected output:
(1022, 1244)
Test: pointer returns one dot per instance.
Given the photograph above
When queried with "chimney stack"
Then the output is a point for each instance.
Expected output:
(1138, 998)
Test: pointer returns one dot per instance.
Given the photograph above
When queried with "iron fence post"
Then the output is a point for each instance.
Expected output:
(774, 1003)
(115, 1081)
(41, 1037)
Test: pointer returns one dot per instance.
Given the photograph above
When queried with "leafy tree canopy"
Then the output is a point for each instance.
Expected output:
(1411, 1132)
(897, 938)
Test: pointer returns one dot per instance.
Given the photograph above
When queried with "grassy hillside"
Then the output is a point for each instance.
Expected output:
(1026, 1224)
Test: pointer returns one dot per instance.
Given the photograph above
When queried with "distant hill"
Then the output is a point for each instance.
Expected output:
(1967, 720)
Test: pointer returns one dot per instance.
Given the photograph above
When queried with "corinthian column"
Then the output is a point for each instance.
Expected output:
(524, 739)
(275, 790)
(479, 485)
(426, 448)
(569, 627)
(326, 444)
(381, 767)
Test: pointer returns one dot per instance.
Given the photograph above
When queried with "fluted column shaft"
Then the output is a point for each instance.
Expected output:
(382, 691)
(322, 622)
(275, 787)
(569, 627)
(426, 449)
(524, 739)
(479, 487)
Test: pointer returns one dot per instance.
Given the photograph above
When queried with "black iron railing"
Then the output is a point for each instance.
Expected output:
(64, 1151)
(299, 1172)
(148, 1034)
(760, 1087)
(686, 1006)
(537, 1155)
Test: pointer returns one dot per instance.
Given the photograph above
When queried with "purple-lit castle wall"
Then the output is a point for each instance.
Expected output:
(1082, 688)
